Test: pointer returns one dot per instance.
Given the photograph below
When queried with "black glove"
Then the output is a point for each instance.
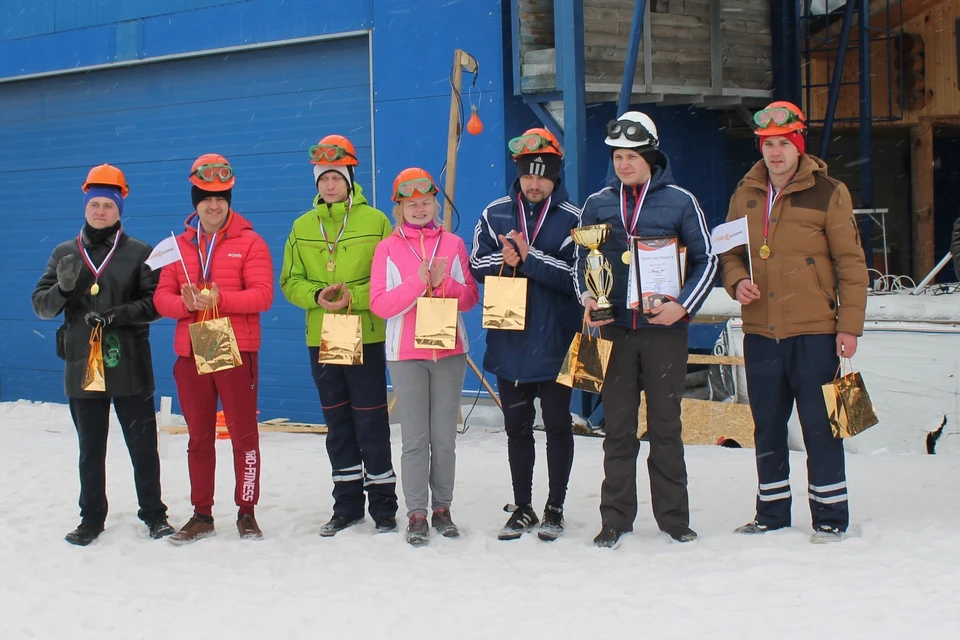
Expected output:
(68, 271)
(95, 319)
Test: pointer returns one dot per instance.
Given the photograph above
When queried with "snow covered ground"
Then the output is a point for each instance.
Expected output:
(897, 573)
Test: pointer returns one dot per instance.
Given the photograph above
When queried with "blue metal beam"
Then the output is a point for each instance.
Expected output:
(568, 27)
(866, 109)
(787, 61)
(515, 51)
(834, 94)
(633, 50)
(548, 121)
(630, 67)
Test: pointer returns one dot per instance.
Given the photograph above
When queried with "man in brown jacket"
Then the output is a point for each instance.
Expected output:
(803, 312)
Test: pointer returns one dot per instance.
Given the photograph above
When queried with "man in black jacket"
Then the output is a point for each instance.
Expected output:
(99, 279)
(528, 231)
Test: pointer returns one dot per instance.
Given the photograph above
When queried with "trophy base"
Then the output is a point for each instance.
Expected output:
(603, 313)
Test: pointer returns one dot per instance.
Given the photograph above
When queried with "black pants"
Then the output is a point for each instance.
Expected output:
(653, 360)
(91, 416)
(518, 417)
(354, 402)
(780, 372)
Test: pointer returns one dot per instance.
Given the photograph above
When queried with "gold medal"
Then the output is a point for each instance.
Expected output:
(764, 252)
(95, 289)
(205, 291)
(331, 265)
(625, 257)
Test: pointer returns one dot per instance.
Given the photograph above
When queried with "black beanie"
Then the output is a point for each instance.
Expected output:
(545, 165)
(197, 195)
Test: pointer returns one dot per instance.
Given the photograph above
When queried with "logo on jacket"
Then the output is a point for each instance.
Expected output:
(234, 255)
(111, 350)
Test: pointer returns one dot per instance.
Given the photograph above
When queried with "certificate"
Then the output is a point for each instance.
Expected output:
(658, 275)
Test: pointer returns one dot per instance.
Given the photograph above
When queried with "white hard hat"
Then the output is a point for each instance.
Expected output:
(633, 130)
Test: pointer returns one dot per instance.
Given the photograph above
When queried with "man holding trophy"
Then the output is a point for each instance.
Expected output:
(526, 234)
(644, 310)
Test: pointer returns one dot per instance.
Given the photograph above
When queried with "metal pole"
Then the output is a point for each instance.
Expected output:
(630, 68)
(835, 81)
(866, 110)
(568, 27)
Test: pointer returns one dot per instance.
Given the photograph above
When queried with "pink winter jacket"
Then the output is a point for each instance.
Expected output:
(395, 286)
(242, 270)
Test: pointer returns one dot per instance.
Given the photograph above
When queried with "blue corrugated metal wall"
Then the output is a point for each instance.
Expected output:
(153, 119)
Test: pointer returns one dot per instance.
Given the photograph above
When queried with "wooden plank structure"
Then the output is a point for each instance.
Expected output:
(711, 53)
(933, 23)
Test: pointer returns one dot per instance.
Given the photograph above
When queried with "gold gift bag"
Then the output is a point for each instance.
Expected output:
(341, 339)
(93, 379)
(214, 344)
(436, 326)
(504, 302)
(586, 362)
(849, 408)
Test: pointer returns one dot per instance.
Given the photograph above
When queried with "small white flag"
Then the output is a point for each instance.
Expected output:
(729, 235)
(167, 252)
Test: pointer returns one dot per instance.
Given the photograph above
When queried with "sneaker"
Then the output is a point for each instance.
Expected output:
(197, 528)
(385, 524)
(825, 534)
(160, 529)
(522, 519)
(418, 532)
(609, 537)
(338, 524)
(443, 522)
(247, 527)
(753, 528)
(552, 526)
(682, 534)
(84, 534)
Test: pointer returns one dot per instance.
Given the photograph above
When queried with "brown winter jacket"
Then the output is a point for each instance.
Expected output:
(815, 280)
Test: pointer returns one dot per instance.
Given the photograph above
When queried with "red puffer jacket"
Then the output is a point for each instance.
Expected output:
(242, 270)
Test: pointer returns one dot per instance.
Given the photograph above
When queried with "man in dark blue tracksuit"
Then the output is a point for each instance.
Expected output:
(527, 234)
(648, 354)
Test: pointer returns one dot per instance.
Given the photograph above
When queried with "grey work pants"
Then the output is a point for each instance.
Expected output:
(428, 396)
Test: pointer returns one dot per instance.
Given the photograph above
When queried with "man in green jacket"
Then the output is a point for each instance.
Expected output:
(326, 269)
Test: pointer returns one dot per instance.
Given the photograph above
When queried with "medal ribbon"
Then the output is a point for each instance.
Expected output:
(86, 256)
(771, 200)
(332, 249)
(420, 256)
(523, 220)
(632, 225)
(206, 262)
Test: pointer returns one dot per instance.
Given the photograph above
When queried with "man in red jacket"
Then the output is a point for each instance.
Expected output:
(230, 274)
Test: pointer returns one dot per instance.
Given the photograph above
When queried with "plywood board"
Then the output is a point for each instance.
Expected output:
(704, 421)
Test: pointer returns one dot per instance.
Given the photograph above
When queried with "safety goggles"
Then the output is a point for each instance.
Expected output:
(329, 153)
(777, 116)
(422, 186)
(529, 144)
(633, 131)
(211, 172)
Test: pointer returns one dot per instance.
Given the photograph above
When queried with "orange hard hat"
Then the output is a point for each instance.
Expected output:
(778, 118)
(334, 150)
(107, 174)
(413, 182)
(536, 140)
(212, 172)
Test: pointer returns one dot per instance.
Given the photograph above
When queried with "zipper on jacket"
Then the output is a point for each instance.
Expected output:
(813, 265)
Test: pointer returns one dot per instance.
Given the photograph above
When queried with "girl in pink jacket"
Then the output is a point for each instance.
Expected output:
(421, 258)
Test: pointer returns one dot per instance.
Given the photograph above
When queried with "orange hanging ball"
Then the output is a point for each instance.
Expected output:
(474, 126)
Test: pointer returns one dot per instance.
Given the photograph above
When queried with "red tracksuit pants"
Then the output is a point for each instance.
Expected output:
(236, 389)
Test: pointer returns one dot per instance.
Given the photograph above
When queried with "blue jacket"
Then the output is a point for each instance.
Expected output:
(553, 312)
(667, 211)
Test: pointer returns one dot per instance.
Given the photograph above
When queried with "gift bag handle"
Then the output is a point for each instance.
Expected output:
(841, 369)
(500, 275)
(216, 313)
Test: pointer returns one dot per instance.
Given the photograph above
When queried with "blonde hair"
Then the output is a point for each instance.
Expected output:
(398, 212)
